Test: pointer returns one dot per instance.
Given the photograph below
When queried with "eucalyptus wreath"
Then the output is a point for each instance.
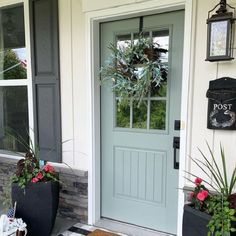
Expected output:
(135, 69)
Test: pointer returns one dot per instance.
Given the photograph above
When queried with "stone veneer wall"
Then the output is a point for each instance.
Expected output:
(73, 194)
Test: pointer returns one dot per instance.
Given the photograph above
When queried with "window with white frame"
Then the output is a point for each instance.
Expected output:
(13, 79)
(30, 92)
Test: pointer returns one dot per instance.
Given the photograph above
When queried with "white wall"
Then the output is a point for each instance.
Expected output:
(203, 72)
(75, 89)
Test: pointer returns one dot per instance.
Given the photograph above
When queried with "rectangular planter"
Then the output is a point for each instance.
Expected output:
(37, 206)
(195, 222)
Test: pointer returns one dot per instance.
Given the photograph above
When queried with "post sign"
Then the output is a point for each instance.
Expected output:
(222, 104)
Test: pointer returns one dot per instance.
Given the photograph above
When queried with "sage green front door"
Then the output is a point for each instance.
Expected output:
(139, 184)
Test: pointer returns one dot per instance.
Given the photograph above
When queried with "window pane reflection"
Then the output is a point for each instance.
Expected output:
(140, 115)
(13, 117)
(158, 115)
(159, 91)
(123, 41)
(13, 64)
(151, 113)
(162, 39)
(123, 115)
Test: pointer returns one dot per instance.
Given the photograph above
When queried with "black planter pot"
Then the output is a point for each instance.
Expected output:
(195, 222)
(37, 205)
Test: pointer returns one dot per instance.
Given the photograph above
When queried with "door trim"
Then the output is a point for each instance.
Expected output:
(92, 21)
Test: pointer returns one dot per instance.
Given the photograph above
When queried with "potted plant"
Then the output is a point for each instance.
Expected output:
(35, 189)
(135, 69)
(211, 212)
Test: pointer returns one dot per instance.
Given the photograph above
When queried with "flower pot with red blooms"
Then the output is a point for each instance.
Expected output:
(195, 222)
(196, 218)
(211, 213)
(35, 189)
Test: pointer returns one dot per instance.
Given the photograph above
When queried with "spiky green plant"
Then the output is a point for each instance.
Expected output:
(222, 183)
(219, 204)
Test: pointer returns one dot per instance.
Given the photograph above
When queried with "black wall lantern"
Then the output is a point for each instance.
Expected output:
(220, 33)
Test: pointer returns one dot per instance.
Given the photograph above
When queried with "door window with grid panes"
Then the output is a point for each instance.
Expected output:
(152, 113)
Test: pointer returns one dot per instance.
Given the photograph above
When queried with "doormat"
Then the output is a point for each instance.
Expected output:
(86, 230)
(99, 232)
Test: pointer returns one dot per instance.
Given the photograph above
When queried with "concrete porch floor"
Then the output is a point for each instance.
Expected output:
(63, 224)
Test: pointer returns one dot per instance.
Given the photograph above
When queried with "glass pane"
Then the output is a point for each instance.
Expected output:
(137, 35)
(140, 115)
(162, 39)
(13, 117)
(159, 91)
(122, 115)
(13, 62)
(158, 115)
(218, 38)
(123, 41)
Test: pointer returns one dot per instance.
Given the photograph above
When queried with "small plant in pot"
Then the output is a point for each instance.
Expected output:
(35, 189)
(211, 212)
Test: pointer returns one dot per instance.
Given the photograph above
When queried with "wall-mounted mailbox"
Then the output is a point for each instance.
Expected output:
(222, 104)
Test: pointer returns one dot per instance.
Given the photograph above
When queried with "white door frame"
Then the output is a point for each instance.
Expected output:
(92, 21)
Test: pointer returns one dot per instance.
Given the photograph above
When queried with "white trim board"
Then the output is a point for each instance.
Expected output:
(92, 67)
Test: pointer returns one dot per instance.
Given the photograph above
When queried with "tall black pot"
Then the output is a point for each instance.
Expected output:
(37, 205)
(195, 222)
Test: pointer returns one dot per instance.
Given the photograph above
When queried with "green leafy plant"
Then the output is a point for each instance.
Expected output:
(221, 181)
(221, 202)
(222, 216)
(29, 169)
(134, 70)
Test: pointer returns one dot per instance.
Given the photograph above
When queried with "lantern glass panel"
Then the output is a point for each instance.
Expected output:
(218, 44)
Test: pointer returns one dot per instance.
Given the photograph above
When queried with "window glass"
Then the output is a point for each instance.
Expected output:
(123, 41)
(122, 114)
(218, 38)
(13, 117)
(162, 39)
(140, 115)
(13, 62)
(151, 114)
(14, 127)
(159, 92)
(158, 115)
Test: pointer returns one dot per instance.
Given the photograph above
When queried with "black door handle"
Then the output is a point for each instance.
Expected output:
(176, 143)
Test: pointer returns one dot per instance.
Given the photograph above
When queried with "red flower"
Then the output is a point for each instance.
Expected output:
(202, 195)
(191, 196)
(198, 181)
(49, 168)
(34, 180)
(39, 175)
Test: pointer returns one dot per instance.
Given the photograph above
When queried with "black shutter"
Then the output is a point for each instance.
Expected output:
(45, 73)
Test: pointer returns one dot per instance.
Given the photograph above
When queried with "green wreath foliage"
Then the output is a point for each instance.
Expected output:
(135, 69)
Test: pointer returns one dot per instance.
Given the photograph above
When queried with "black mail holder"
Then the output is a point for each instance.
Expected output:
(222, 104)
